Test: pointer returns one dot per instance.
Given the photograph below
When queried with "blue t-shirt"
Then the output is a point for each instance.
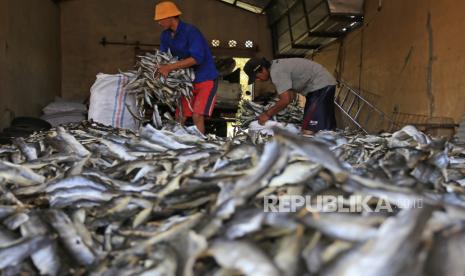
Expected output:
(188, 41)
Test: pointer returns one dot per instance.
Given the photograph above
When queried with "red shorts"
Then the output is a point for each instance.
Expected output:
(203, 100)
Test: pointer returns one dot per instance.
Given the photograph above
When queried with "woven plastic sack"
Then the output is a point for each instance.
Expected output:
(109, 102)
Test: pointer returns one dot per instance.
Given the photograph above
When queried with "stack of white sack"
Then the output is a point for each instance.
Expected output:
(266, 129)
(62, 112)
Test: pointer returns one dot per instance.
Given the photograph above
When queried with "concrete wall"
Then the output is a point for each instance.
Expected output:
(408, 56)
(85, 22)
(29, 57)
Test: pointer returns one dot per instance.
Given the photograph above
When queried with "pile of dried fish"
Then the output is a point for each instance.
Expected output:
(88, 199)
(152, 88)
(249, 111)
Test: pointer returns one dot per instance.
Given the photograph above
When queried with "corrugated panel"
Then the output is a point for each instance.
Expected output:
(317, 14)
(255, 6)
(353, 7)
(311, 4)
(257, 3)
(276, 11)
(312, 24)
(300, 25)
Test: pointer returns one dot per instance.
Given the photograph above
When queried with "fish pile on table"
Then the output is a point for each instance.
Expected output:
(89, 199)
(152, 89)
(249, 112)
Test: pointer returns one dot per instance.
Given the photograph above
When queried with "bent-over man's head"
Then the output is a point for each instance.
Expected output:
(257, 68)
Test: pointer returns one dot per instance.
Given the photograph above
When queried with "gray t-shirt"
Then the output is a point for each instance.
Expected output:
(299, 74)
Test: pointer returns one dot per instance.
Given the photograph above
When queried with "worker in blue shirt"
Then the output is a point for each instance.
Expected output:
(187, 43)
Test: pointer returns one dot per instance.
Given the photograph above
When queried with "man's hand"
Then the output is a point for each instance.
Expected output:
(284, 99)
(165, 69)
(180, 119)
(263, 118)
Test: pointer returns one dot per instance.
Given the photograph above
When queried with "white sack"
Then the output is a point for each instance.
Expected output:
(108, 102)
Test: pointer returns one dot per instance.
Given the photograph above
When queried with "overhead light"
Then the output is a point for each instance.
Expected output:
(344, 29)
(216, 43)
(232, 43)
(248, 44)
(353, 24)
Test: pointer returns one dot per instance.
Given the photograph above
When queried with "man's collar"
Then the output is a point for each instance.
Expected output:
(181, 26)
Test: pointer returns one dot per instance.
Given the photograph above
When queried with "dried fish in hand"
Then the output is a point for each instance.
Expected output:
(153, 89)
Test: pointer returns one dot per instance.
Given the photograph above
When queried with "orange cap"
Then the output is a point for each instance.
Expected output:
(166, 9)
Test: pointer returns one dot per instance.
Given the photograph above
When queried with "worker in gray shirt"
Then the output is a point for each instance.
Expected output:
(302, 76)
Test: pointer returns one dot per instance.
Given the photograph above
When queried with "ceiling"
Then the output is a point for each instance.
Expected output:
(301, 26)
(255, 6)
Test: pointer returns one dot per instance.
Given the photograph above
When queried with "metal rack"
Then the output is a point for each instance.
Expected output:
(364, 115)
(439, 126)
(361, 113)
